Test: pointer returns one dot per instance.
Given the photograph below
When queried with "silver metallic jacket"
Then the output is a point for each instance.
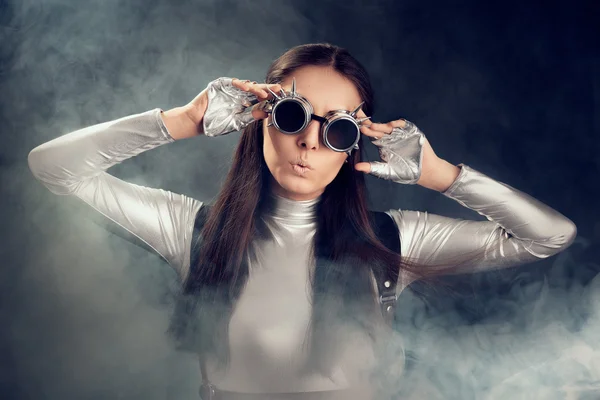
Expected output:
(519, 229)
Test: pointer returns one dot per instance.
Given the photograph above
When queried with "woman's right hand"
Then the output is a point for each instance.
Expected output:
(229, 104)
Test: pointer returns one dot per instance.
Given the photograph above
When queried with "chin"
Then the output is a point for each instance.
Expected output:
(298, 186)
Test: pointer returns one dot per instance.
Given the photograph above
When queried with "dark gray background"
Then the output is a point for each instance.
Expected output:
(509, 89)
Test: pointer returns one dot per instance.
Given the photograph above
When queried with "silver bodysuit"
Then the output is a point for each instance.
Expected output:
(265, 337)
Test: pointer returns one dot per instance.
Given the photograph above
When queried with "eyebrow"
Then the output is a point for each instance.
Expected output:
(336, 109)
(349, 111)
(333, 109)
(314, 107)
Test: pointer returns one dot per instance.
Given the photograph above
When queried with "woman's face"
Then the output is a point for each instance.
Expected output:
(326, 90)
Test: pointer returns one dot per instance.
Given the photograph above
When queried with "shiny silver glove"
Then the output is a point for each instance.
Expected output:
(229, 108)
(402, 153)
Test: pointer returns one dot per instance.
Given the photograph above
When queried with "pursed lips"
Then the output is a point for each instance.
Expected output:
(301, 163)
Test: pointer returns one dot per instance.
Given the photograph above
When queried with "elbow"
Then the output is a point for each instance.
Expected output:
(563, 237)
(38, 165)
(40, 161)
(569, 233)
(35, 163)
(43, 172)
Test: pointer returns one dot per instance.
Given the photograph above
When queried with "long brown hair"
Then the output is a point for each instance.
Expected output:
(345, 245)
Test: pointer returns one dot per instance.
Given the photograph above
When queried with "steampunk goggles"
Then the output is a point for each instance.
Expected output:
(291, 113)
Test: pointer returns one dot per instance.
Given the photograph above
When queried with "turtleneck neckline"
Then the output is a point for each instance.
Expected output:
(292, 210)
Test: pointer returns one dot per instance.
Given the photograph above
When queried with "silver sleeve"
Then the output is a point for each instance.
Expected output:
(76, 163)
(519, 228)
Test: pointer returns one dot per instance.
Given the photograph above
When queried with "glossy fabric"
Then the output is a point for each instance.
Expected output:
(265, 337)
(228, 108)
(401, 153)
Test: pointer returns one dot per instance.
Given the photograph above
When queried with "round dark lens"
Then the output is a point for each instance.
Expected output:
(342, 134)
(289, 116)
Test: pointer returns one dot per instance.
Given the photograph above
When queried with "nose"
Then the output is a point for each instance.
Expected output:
(310, 137)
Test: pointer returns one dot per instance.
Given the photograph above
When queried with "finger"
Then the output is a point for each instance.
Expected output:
(377, 169)
(252, 87)
(363, 167)
(246, 85)
(360, 114)
(385, 128)
(257, 113)
(260, 93)
(274, 87)
(362, 118)
(366, 129)
(261, 109)
(399, 123)
(240, 84)
(258, 89)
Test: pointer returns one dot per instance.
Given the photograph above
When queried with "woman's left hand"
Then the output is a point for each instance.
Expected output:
(406, 153)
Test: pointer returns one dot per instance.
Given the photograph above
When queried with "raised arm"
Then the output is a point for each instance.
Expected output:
(520, 229)
(76, 163)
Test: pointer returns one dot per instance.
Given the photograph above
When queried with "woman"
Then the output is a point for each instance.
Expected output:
(283, 264)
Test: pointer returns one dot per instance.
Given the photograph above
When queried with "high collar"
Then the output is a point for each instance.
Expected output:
(292, 211)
